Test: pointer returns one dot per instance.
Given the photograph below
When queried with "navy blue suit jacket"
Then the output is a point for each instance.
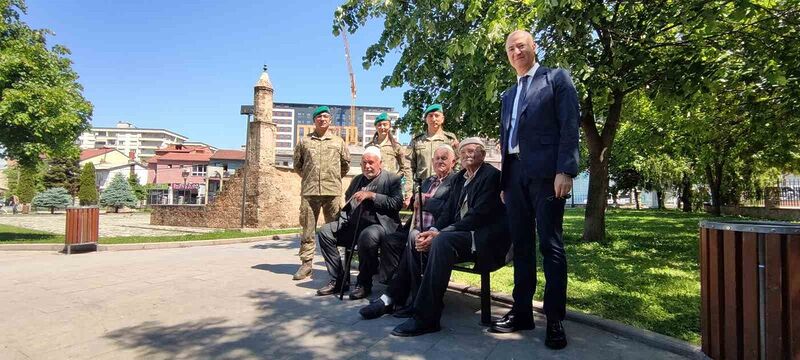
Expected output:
(548, 126)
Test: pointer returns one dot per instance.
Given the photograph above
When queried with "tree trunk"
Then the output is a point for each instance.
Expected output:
(116, 209)
(594, 226)
(660, 199)
(714, 178)
(52, 210)
(686, 194)
(636, 198)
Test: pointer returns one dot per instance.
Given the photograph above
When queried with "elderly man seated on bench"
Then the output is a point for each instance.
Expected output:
(472, 227)
(405, 282)
(372, 211)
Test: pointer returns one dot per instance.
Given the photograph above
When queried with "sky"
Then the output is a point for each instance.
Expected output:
(188, 66)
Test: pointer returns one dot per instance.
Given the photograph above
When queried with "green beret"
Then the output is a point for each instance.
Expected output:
(320, 110)
(432, 108)
(382, 117)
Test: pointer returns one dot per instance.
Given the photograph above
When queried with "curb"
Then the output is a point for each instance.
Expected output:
(647, 337)
(149, 246)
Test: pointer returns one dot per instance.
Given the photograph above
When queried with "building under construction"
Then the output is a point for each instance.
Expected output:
(293, 119)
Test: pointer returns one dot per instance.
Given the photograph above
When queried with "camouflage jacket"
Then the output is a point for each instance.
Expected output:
(422, 149)
(393, 158)
(322, 162)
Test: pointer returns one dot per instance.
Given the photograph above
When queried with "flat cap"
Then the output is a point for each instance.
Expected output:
(320, 110)
(470, 140)
(432, 108)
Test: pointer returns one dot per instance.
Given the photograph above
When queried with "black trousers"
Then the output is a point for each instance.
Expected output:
(447, 249)
(371, 239)
(531, 209)
(406, 279)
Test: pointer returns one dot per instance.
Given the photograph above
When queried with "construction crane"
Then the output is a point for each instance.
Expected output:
(352, 79)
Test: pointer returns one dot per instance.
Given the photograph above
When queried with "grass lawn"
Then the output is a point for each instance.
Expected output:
(646, 276)
(16, 235)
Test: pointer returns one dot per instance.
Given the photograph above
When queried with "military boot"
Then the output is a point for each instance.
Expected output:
(304, 271)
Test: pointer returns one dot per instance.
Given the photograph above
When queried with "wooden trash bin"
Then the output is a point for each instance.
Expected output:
(83, 226)
(750, 290)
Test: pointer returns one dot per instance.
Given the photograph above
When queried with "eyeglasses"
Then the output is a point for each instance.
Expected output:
(553, 197)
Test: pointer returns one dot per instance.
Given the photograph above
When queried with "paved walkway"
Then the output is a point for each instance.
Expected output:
(235, 301)
(125, 224)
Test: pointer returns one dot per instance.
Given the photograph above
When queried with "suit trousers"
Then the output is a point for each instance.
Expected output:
(406, 279)
(369, 240)
(532, 208)
(448, 248)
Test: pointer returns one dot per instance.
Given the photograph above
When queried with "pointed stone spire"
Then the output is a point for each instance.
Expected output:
(263, 81)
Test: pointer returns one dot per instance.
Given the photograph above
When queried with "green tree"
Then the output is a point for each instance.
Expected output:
(118, 194)
(26, 188)
(452, 52)
(87, 193)
(53, 198)
(138, 189)
(63, 171)
(42, 109)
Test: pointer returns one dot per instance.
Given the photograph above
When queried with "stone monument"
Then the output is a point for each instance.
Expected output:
(271, 194)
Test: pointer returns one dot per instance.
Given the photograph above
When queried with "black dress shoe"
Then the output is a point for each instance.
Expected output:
(555, 337)
(375, 310)
(512, 322)
(404, 312)
(360, 292)
(414, 327)
(332, 288)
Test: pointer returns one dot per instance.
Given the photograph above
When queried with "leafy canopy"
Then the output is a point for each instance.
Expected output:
(42, 108)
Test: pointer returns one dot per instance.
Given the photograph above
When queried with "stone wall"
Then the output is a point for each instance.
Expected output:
(178, 215)
(225, 211)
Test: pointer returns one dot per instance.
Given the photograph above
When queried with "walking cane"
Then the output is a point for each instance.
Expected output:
(348, 255)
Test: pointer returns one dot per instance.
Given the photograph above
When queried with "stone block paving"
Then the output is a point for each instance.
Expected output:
(236, 302)
(123, 224)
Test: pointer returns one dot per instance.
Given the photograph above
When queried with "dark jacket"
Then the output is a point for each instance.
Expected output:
(435, 205)
(388, 199)
(548, 126)
(486, 216)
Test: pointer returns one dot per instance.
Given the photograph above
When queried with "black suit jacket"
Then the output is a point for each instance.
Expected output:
(486, 217)
(548, 125)
(387, 203)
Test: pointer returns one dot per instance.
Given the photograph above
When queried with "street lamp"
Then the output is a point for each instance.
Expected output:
(185, 173)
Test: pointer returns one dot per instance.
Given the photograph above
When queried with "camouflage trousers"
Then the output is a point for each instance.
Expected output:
(310, 207)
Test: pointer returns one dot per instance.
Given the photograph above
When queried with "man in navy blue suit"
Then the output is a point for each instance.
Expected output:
(539, 137)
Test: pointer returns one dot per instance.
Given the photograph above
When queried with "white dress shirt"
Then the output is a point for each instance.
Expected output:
(513, 123)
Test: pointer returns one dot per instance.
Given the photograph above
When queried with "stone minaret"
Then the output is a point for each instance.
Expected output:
(261, 151)
(268, 202)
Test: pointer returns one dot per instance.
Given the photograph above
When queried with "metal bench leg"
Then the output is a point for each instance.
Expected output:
(486, 299)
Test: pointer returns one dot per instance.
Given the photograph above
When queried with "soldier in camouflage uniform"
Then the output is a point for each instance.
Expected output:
(424, 145)
(392, 153)
(322, 160)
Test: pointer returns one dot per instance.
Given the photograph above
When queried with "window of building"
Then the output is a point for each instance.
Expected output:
(198, 170)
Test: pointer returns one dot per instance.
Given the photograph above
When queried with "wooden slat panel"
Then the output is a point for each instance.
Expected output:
(84, 226)
(715, 295)
(730, 290)
(773, 298)
(96, 227)
(792, 283)
(750, 319)
(704, 320)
